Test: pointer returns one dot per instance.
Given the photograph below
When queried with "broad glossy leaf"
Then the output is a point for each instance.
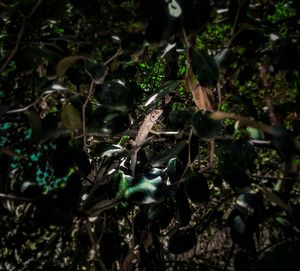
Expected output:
(70, 117)
(104, 149)
(204, 67)
(182, 241)
(97, 72)
(175, 170)
(147, 189)
(122, 181)
(35, 124)
(115, 96)
(206, 127)
(67, 62)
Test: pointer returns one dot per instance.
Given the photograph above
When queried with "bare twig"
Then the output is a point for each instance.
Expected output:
(119, 52)
(14, 197)
(83, 115)
(19, 37)
(94, 246)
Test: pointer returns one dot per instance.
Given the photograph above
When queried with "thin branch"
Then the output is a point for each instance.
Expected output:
(19, 37)
(119, 52)
(94, 245)
(83, 115)
(13, 197)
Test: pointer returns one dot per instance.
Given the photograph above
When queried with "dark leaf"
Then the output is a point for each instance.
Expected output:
(234, 159)
(166, 89)
(283, 257)
(35, 125)
(3, 109)
(206, 127)
(114, 123)
(237, 10)
(179, 119)
(183, 210)
(168, 153)
(204, 67)
(162, 214)
(110, 247)
(115, 96)
(97, 72)
(195, 13)
(197, 187)
(182, 241)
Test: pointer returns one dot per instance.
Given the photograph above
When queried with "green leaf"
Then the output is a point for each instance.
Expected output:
(123, 181)
(65, 63)
(147, 189)
(70, 117)
(182, 240)
(175, 170)
(204, 67)
(204, 126)
(97, 72)
(35, 124)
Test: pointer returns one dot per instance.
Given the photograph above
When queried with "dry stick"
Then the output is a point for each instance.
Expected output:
(94, 245)
(13, 197)
(83, 116)
(19, 37)
(119, 52)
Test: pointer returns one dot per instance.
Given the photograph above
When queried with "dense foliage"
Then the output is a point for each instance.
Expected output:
(215, 188)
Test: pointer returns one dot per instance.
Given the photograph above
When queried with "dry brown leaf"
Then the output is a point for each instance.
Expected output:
(202, 96)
